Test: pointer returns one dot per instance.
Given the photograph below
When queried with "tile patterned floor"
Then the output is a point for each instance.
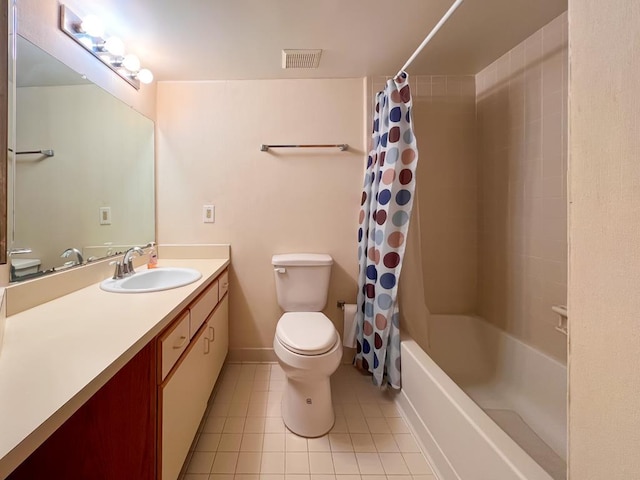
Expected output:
(242, 436)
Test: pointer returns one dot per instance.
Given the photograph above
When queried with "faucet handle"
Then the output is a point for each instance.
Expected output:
(117, 273)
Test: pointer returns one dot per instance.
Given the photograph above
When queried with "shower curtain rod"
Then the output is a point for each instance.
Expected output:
(432, 33)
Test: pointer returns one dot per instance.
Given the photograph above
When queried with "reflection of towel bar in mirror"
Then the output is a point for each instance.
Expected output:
(67, 94)
(341, 146)
(46, 153)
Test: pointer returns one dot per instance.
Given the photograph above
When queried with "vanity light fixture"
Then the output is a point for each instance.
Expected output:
(114, 46)
(92, 26)
(90, 33)
(131, 62)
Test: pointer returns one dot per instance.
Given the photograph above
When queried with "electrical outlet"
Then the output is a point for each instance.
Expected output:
(105, 215)
(208, 214)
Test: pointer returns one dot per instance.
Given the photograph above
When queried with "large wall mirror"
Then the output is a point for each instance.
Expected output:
(83, 169)
(5, 34)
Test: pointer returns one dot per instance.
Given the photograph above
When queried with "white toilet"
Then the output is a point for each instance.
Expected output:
(306, 343)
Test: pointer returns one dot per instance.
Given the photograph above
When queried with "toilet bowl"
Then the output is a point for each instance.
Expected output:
(308, 361)
(306, 343)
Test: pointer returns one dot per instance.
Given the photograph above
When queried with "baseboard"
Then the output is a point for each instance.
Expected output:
(438, 461)
(252, 355)
(348, 354)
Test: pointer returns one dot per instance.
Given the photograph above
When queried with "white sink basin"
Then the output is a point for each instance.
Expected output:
(153, 280)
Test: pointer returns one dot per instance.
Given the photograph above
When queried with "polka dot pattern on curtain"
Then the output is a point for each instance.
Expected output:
(387, 199)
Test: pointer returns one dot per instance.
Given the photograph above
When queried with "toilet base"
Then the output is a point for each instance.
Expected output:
(307, 409)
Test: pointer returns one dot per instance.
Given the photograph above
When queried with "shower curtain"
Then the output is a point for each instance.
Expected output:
(387, 199)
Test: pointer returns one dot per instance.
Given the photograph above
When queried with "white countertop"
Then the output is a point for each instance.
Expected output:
(57, 355)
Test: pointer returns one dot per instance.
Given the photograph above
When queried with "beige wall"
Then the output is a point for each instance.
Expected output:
(209, 136)
(604, 118)
(103, 157)
(522, 134)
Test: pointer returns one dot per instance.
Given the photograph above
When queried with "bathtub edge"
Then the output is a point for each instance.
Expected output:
(442, 468)
(510, 461)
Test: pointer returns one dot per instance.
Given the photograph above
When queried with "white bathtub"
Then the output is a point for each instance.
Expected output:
(513, 382)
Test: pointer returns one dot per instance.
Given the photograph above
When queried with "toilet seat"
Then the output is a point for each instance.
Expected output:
(306, 333)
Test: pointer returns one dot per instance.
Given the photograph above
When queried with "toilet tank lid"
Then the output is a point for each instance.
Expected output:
(302, 259)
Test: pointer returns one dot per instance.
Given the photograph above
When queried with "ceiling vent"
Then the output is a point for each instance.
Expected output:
(301, 58)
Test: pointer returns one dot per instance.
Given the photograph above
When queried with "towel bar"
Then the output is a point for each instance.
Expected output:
(342, 146)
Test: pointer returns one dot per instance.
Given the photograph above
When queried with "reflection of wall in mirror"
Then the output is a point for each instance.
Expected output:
(99, 145)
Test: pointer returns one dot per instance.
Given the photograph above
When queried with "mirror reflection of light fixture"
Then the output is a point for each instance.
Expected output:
(89, 32)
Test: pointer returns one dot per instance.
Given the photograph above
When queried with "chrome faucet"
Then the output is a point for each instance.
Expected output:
(73, 251)
(127, 260)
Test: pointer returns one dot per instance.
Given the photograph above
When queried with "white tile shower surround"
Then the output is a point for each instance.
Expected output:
(242, 436)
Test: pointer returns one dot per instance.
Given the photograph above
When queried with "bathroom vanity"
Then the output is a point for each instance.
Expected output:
(102, 385)
(191, 352)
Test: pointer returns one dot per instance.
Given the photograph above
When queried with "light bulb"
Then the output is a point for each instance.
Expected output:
(93, 26)
(145, 76)
(114, 46)
(131, 63)
(87, 42)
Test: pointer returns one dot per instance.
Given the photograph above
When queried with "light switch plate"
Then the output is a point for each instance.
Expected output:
(208, 214)
(105, 215)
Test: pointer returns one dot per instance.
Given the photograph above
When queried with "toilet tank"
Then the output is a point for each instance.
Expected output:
(302, 281)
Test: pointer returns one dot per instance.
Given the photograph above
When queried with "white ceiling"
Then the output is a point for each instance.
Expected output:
(243, 39)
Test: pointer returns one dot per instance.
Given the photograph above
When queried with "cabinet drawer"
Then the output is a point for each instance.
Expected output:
(202, 307)
(173, 343)
(223, 281)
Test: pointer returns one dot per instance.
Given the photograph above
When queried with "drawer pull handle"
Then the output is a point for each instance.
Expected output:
(207, 346)
(213, 333)
(225, 284)
(183, 340)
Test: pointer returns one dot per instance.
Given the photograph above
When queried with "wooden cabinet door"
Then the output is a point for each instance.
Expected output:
(183, 400)
(218, 331)
(112, 436)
